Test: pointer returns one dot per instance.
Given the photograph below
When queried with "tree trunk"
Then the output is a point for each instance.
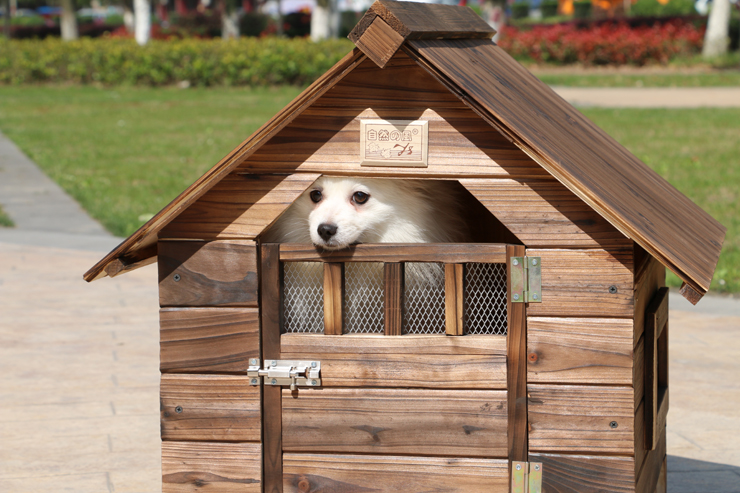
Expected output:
(68, 21)
(6, 19)
(229, 20)
(142, 21)
(325, 20)
(717, 39)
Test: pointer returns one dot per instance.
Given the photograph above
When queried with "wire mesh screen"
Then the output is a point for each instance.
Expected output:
(363, 298)
(485, 299)
(424, 298)
(303, 297)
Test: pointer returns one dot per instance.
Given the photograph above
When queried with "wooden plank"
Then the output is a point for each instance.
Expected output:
(656, 395)
(411, 344)
(543, 213)
(586, 474)
(209, 408)
(649, 277)
(578, 282)
(213, 273)
(579, 350)
(454, 310)
(651, 471)
(583, 157)
(147, 234)
(379, 41)
(426, 21)
(326, 137)
(188, 467)
(392, 252)
(407, 370)
(518, 441)
(578, 419)
(638, 373)
(396, 421)
(272, 432)
(333, 297)
(239, 206)
(208, 340)
(393, 302)
(391, 474)
(662, 486)
(690, 293)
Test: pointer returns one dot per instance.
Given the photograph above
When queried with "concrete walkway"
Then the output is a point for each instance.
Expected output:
(649, 97)
(79, 404)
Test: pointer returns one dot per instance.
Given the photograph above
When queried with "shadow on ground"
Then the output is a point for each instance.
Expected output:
(697, 476)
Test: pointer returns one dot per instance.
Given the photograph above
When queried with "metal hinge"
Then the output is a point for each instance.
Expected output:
(526, 280)
(526, 477)
(284, 372)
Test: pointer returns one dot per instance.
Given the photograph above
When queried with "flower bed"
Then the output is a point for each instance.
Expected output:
(606, 44)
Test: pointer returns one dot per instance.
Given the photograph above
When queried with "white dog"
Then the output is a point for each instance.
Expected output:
(335, 213)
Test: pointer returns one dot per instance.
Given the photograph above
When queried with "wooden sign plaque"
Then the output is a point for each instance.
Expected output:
(402, 143)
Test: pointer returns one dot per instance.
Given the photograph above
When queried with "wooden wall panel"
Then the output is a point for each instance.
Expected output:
(579, 350)
(366, 344)
(543, 213)
(460, 423)
(649, 477)
(577, 419)
(188, 467)
(325, 137)
(211, 273)
(586, 474)
(209, 408)
(578, 282)
(649, 277)
(392, 474)
(208, 340)
(240, 206)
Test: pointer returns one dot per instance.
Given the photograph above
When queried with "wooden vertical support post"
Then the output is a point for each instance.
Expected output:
(454, 324)
(516, 367)
(656, 367)
(393, 279)
(270, 308)
(333, 297)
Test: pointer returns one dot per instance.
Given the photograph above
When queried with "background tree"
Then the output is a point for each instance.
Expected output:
(229, 19)
(142, 21)
(68, 21)
(325, 20)
(716, 40)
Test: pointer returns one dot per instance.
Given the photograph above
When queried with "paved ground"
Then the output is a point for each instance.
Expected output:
(79, 407)
(632, 97)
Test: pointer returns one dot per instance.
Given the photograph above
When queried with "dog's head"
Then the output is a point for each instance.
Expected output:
(345, 211)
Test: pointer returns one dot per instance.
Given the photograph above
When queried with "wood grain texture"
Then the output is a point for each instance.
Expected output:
(326, 137)
(577, 282)
(577, 419)
(272, 431)
(579, 350)
(651, 471)
(586, 474)
(333, 297)
(209, 408)
(649, 277)
(392, 252)
(656, 367)
(208, 340)
(146, 236)
(239, 206)
(395, 421)
(454, 309)
(392, 474)
(213, 273)
(379, 41)
(543, 213)
(427, 21)
(516, 355)
(393, 303)
(410, 344)
(598, 169)
(188, 467)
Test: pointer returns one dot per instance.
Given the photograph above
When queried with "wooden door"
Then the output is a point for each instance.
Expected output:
(413, 391)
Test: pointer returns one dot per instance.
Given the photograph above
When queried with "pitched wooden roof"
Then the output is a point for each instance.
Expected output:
(454, 45)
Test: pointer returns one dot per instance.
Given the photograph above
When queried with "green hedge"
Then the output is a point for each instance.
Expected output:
(113, 61)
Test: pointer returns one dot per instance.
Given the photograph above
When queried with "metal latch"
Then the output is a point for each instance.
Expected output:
(284, 372)
(526, 477)
(526, 280)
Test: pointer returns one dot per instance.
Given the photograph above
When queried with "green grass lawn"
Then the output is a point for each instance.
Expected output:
(125, 153)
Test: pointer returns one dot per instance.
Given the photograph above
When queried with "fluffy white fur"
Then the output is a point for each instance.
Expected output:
(396, 211)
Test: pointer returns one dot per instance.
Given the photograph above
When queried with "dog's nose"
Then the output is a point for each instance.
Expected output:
(326, 231)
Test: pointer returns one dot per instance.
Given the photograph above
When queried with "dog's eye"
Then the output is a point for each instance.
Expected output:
(360, 197)
(315, 196)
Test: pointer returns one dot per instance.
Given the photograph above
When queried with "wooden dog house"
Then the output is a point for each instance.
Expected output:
(545, 368)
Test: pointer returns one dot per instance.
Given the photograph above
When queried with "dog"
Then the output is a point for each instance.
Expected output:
(337, 212)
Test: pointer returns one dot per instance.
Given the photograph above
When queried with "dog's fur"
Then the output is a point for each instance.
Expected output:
(396, 211)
